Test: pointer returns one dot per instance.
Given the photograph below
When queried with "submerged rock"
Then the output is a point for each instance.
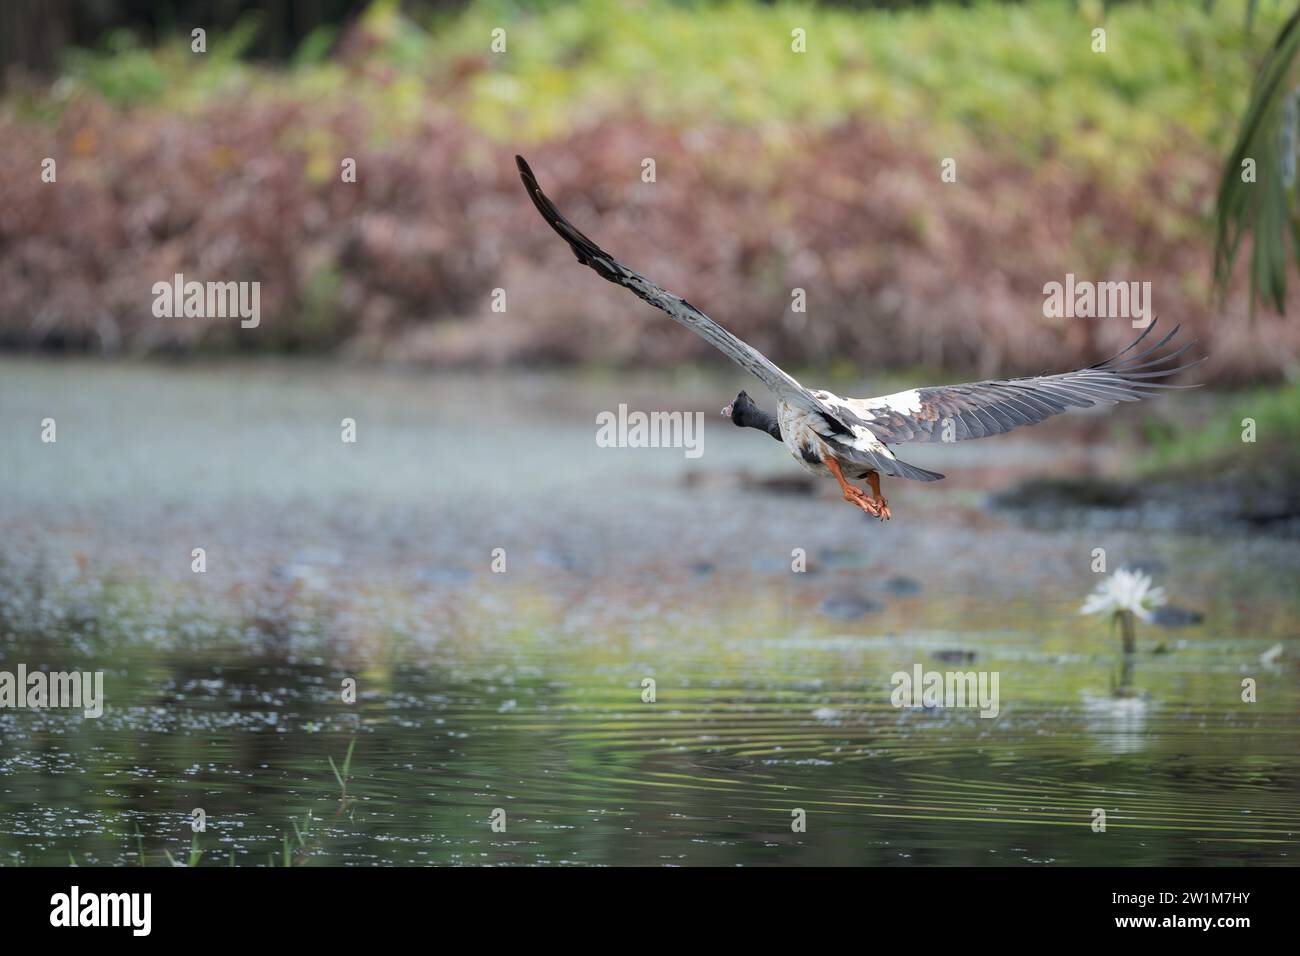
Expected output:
(954, 657)
(1244, 500)
(847, 607)
(1073, 491)
(792, 484)
(1176, 617)
(903, 586)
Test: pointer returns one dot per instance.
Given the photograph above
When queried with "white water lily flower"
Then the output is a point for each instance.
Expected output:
(1124, 591)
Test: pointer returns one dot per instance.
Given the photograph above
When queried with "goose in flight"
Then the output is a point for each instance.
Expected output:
(845, 438)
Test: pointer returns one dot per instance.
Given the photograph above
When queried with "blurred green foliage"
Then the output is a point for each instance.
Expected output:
(1084, 161)
(1023, 74)
(125, 73)
(1203, 441)
(1257, 193)
(1027, 72)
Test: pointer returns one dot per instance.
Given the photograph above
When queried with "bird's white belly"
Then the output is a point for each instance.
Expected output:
(799, 436)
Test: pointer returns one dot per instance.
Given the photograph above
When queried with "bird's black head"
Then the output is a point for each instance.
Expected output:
(742, 411)
(745, 414)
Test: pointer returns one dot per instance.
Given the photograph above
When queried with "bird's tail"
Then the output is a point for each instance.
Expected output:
(912, 471)
(885, 464)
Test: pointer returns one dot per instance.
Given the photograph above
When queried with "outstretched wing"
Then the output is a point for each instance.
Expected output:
(991, 408)
(681, 311)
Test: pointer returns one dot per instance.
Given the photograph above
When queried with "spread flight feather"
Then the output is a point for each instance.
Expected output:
(857, 430)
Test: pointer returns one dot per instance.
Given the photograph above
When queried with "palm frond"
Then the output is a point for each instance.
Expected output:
(1263, 208)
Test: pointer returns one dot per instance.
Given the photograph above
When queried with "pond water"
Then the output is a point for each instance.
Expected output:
(520, 696)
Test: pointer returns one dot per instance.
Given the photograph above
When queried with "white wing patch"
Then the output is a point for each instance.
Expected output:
(905, 403)
(869, 409)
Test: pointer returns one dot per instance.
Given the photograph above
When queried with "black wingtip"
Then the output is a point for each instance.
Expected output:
(584, 250)
(526, 174)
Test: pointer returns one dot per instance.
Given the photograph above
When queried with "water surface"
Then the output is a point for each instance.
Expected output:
(523, 691)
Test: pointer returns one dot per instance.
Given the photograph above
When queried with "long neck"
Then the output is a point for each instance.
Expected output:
(764, 422)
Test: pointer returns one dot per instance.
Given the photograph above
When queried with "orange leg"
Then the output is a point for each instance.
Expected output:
(853, 495)
(873, 479)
